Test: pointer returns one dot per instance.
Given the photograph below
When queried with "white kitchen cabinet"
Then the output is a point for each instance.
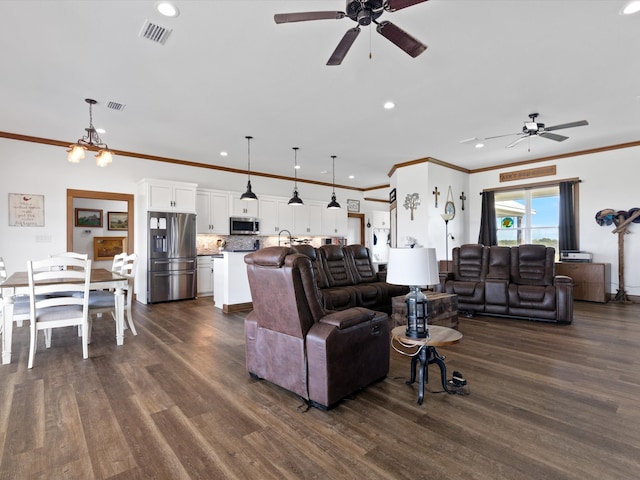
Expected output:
(307, 219)
(165, 196)
(334, 222)
(205, 276)
(243, 208)
(212, 207)
(275, 215)
(381, 219)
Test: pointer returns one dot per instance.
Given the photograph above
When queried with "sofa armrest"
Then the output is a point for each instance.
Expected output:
(347, 318)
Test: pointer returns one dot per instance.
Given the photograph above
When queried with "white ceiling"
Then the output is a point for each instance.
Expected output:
(227, 71)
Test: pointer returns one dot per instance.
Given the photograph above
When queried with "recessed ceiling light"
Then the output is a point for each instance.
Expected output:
(223, 154)
(352, 177)
(631, 8)
(101, 130)
(479, 145)
(297, 167)
(167, 9)
(389, 105)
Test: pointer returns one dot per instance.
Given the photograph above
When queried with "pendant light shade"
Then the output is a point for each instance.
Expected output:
(295, 200)
(333, 204)
(248, 195)
(91, 140)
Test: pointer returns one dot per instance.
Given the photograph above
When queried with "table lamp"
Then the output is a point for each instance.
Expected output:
(415, 267)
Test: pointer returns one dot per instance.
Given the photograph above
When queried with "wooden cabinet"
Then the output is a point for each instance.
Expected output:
(307, 219)
(243, 208)
(275, 215)
(212, 208)
(590, 280)
(205, 276)
(167, 196)
(334, 222)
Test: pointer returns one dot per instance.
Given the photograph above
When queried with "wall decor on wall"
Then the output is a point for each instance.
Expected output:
(105, 248)
(435, 194)
(26, 210)
(463, 197)
(353, 205)
(88, 217)
(411, 202)
(117, 220)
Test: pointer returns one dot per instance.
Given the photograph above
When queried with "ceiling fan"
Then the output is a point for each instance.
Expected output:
(364, 12)
(534, 128)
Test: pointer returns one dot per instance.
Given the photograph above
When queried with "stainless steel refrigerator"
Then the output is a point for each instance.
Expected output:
(172, 256)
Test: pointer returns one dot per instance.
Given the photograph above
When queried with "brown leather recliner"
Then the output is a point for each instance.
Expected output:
(467, 279)
(535, 290)
(293, 342)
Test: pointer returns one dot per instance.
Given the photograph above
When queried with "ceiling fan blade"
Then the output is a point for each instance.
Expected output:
(514, 143)
(580, 123)
(306, 16)
(553, 136)
(401, 38)
(393, 5)
(505, 135)
(343, 47)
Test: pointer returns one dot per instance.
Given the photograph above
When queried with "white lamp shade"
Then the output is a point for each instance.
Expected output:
(413, 266)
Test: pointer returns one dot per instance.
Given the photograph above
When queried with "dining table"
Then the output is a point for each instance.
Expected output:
(18, 284)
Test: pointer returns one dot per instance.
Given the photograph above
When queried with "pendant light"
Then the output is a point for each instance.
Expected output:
(91, 140)
(248, 195)
(295, 200)
(333, 204)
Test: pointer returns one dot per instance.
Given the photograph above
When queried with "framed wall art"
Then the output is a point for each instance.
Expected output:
(353, 205)
(105, 248)
(117, 220)
(26, 210)
(88, 217)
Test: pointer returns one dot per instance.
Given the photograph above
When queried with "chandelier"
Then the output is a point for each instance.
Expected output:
(92, 141)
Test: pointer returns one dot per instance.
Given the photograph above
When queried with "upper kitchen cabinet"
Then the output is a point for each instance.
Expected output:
(165, 196)
(243, 208)
(212, 207)
(275, 214)
(307, 219)
(334, 222)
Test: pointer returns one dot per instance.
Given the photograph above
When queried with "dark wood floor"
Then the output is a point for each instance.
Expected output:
(547, 402)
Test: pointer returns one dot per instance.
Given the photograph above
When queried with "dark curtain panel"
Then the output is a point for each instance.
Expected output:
(567, 239)
(488, 234)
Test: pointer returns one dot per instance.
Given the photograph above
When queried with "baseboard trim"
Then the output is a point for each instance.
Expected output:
(237, 307)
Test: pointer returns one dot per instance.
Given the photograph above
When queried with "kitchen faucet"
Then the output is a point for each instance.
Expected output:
(280, 232)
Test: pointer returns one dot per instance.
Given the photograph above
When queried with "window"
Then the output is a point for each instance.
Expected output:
(528, 216)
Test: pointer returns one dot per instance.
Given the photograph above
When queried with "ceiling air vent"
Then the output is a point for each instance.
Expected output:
(115, 106)
(154, 32)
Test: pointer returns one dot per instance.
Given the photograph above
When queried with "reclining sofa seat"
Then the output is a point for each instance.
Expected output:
(293, 342)
(535, 290)
(468, 279)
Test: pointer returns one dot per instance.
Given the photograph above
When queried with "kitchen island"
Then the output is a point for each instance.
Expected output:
(230, 282)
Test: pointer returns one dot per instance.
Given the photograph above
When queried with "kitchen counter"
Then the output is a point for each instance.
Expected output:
(230, 282)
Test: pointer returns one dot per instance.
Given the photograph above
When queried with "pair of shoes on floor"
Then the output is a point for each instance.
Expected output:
(458, 384)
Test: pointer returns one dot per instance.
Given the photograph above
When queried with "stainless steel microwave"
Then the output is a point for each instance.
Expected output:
(244, 226)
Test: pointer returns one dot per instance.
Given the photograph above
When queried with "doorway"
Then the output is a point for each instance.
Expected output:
(355, 229)
(88, 194)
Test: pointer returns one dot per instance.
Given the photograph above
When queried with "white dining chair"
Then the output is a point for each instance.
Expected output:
(20, 302)
(57, 279)
(102, 301)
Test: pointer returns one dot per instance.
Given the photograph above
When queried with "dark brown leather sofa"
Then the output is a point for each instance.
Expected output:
(509, 281)
(294, 342)
(346, 278)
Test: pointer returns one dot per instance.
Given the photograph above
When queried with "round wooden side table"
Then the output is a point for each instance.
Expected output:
(427, 353)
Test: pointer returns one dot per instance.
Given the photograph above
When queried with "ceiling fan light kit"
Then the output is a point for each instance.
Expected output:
(91, 140)
(363, 12)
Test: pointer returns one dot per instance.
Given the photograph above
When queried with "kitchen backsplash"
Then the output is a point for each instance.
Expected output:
(208, 244)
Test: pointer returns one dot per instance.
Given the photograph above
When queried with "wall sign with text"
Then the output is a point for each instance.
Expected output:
(26, 210)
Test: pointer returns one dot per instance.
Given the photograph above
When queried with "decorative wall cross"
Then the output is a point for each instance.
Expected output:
(463, 198)
(436, 193)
